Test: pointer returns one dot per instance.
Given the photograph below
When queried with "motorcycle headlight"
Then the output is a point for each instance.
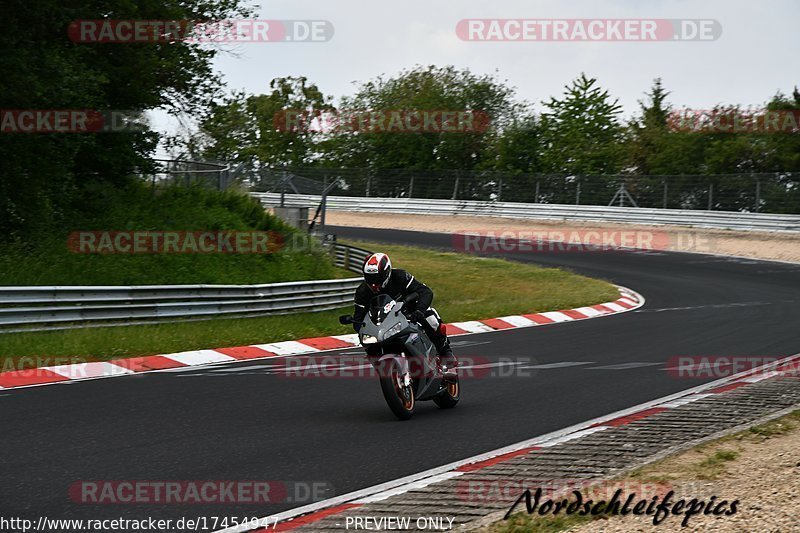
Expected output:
(394, 330)
(368, 339)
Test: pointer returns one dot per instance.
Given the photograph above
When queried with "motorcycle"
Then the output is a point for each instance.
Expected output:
(407, 361)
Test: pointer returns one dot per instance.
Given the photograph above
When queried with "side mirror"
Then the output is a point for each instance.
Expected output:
(411, 297)
(345, 319)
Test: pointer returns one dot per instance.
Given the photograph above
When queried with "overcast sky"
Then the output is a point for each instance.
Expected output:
(755, 56)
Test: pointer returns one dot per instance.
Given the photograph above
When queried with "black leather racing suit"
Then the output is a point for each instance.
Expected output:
(400, 284)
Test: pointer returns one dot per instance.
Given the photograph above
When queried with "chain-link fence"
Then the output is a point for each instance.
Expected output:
(187, 173)
(777, 192)
(765, 193)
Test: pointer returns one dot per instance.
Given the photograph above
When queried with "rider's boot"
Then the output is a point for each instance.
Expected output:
(448, 360)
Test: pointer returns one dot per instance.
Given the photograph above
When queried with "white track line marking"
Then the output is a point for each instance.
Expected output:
(684, 401)
(490, 365)
(530, 443)
(242, 368)
(761, 376)
(421, 484)
(286, 347)
(518, 321)
(561, 364)
(199, 357)
(557, 316)
(588, 311)
(572, 436)
(473, 326)
(88, 370)
(351, 338)
(624, 366)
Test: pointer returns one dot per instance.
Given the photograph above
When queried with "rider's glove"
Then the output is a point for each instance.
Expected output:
(417, 316)
(357, 326)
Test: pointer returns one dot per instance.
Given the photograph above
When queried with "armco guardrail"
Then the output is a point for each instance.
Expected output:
(631, 215)
(55, 307)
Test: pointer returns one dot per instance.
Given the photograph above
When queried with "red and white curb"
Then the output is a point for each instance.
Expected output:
(309, 514)
(49, 375)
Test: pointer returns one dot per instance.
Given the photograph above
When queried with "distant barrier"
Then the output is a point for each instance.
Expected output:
(630, 215)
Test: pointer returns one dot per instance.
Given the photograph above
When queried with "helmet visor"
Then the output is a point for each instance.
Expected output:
(376, 280)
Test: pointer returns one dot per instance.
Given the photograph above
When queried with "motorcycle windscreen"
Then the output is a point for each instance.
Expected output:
(379, 308)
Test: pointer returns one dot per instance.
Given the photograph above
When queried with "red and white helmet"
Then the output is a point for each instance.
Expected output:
(377, 269)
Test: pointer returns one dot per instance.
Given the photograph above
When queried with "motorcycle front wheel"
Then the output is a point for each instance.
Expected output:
(399, 397)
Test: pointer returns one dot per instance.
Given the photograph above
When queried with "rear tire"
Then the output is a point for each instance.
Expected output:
(400, 398)
(448, 398)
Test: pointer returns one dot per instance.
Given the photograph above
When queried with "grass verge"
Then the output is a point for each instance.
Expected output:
(48, 258)
(465, 288)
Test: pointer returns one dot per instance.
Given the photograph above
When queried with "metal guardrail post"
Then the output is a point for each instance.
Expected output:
(758, 195)
(710, 195)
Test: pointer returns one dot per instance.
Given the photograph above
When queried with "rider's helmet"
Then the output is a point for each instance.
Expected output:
(377, 269)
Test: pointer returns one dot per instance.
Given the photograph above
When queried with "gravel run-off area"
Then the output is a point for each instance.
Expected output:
(783, 246)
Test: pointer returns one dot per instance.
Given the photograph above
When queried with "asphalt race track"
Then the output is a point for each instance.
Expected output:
(244, 421)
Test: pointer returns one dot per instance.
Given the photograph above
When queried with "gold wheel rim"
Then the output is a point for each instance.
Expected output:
(408, 403)
(452, 389)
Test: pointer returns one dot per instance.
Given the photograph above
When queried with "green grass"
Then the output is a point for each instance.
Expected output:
(777, 427)
(713, 466)
(465, 287)
(468, 287)
(47, 259)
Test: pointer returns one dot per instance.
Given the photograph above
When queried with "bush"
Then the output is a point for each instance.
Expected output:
(45, 259)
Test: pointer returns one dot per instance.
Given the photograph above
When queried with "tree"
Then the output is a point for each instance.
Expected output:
(46, 176)
(425, 89)
(648, 132)
(581, 130)
(274, 129)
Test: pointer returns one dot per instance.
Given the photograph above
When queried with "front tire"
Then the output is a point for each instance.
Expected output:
(448, 398)
(399, 397)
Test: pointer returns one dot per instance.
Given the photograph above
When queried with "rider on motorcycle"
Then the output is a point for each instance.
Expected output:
(381, 278)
